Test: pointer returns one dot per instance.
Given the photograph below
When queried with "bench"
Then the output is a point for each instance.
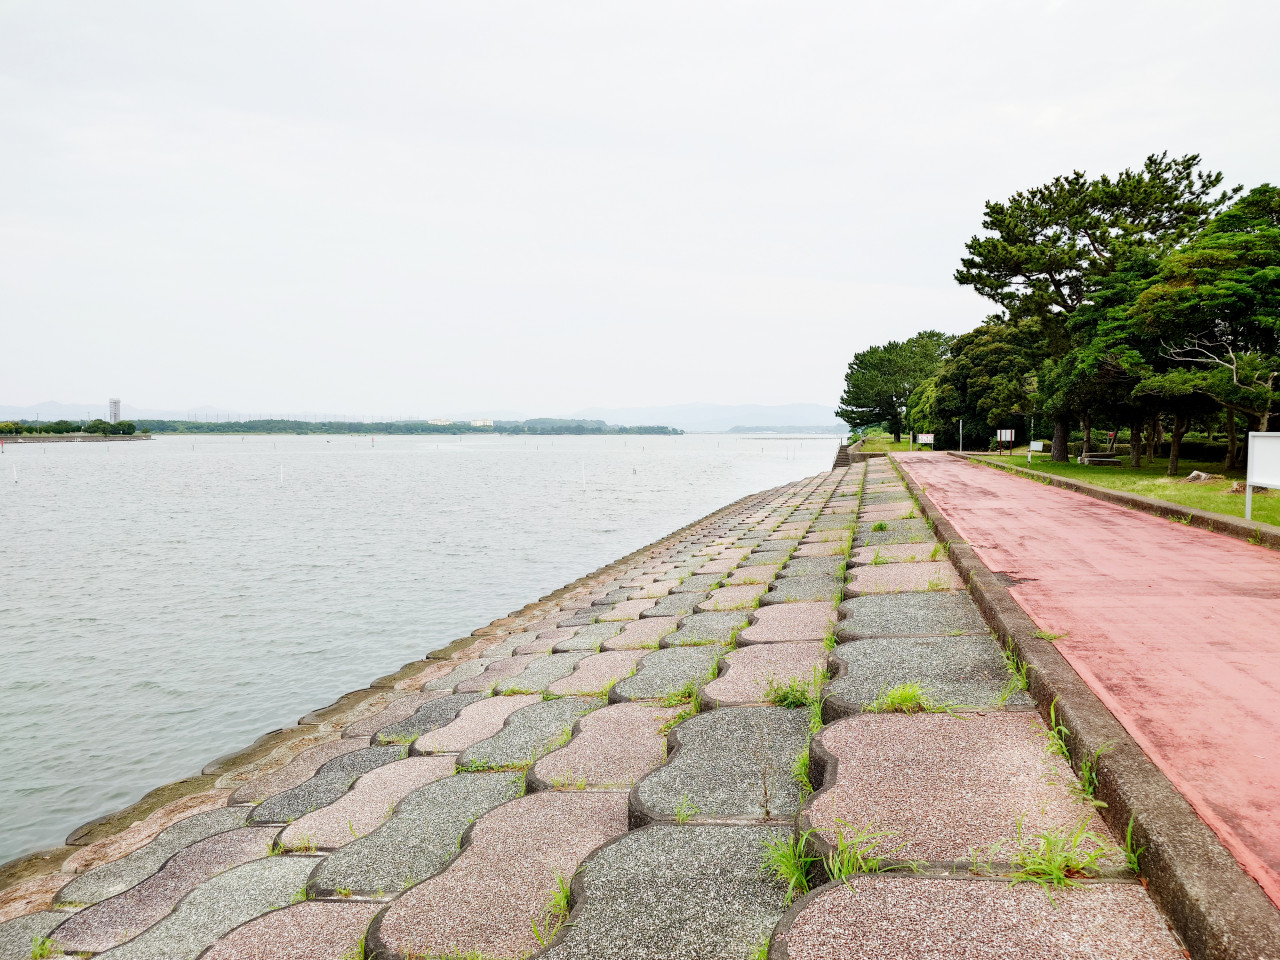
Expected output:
(1098, 459)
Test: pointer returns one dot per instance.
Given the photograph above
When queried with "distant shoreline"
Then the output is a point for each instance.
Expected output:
(69, 437)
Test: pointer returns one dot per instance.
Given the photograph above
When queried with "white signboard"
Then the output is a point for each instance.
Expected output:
(1037, 446)
(1264, 467)
(924, 438)
(1004, 436)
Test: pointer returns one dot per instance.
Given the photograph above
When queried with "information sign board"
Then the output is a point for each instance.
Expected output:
(1004, 436)
(924, 438)
(1264, 467)
(1037, 446)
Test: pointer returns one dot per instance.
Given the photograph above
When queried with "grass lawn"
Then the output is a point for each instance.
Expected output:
(1150, 481)
(885, 444)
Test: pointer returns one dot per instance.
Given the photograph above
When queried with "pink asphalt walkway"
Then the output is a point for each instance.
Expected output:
(1176, 629)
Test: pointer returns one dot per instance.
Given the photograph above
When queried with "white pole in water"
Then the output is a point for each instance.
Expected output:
(282, 474)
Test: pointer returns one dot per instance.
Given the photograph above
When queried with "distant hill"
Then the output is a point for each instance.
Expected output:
(723, 418)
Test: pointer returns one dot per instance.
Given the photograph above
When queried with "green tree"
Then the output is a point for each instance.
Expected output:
(1051, 247)
(880, 380)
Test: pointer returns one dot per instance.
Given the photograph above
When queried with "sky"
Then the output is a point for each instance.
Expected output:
(414, 209)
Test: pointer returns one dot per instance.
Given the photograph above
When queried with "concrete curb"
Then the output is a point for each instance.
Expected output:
(1253, 531)
(1218, 910)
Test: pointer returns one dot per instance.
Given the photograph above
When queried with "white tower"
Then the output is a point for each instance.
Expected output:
(113, 410)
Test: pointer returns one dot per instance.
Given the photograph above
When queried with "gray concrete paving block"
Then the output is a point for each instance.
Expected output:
(218, 906)
(966, 671)
(463, 671)
(801, 514)
(700, 628)
(664, 672)
(898, 495)
(699, 583)
(528, 733)
(674, 605)
(509, 646)
(542, 672)
(616, 596)
(429, 716)
(934, 614)
(16, 935)
(809, 588)
(590, 637)
(729, 762)
(674, 893)
(813, 566)
(419, 840)
(112, 878)
(836, 521)
(579, 618)
(329, 783)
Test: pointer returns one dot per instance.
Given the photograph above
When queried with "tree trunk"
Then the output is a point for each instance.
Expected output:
(1060, 454)
(1180, 424)
(897, 433)
(1232, 441)
(1135, 442)
(1086, 427)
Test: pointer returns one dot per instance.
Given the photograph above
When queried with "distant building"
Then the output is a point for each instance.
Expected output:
(440, 423)
(113, 410)
(482, 423)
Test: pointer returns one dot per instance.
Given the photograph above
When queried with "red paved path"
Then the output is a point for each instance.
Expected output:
(1176, 629)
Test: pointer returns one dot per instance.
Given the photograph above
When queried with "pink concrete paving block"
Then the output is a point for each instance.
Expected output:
(886, 511)
(486, 901)
(366, 805)
(946, 784)
(822, 536)
(905, 918)
(613, 747)
(659, 588)
(314, 930)
(112, 922)
(131, 838)
(751, 670)
(732, 598)
(641, 634)
(903, 578)
(789, 622)
(300, 768)
(431, 672)
(756, 573)
(545, 642)
(393, 712)
(719, 566)
(839, 508)
(597, 671)
(626, 610)
(503, 669)
(827, 548)
(896, 553)
(476, 722)
(793, 525)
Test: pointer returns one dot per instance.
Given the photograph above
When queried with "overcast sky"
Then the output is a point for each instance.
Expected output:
(420, 208)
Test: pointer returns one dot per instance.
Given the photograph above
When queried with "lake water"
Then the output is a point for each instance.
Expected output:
(165, 602)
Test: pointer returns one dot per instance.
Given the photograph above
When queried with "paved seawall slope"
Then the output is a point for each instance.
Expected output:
(629, 758)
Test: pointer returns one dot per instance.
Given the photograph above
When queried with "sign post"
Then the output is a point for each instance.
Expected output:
(923, 438)
(1264, 467)
(1003, 437)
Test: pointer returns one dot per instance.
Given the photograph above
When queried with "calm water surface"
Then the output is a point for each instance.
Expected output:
(165, 602)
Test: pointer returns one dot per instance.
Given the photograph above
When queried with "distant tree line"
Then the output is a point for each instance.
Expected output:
(1145, 306)
(406, 427)
(122, 428)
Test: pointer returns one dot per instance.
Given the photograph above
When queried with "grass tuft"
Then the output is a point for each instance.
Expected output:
(788, 859)
(906, 698)
(859, 852)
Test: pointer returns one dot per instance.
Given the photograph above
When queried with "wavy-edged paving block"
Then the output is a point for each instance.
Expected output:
(329, 783)
(825, 536)
(136, 834)
(111, 922)
(789, 622)
(495, 673)
(938, 613)
(475, 722)
(902, 510)
(112, 878)
(674, 893)
(428, 717)
(811, 588)
(896, 553)
(749, 671)
(873, 917)
(589, 638)
(720, 567)
(893, 531)
(959, 671)
(300, 768)
(944, 785)
(675, 605)
(641, 634)
(812, 567)
(654, 590)
(627, 610)
(611, 747)
(527, 734)
(17, 935)
(825, 548)
(313, 930)
(729, 763)
(463, 671)
(843, 521)
(217, 907)
(753, 573)
(422, 836)
(511, 644)
(597, 673)
(699, 583)
(541, 673)
(667, 671)
(742, 597)
(396, 710)
(366, 805)
(487, 900)
(714, 626)
(935, 575)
